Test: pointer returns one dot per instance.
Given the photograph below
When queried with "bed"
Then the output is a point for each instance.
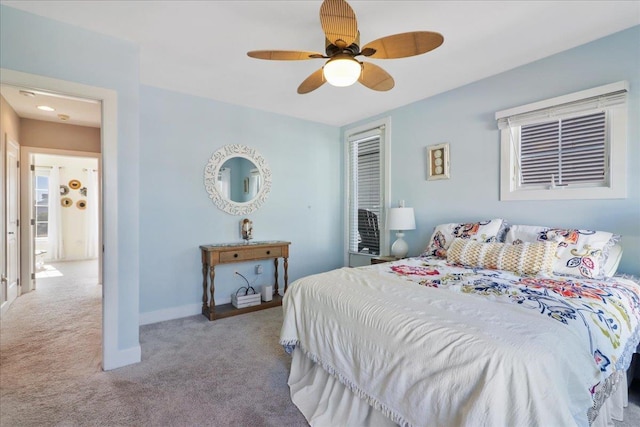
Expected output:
(491, 325)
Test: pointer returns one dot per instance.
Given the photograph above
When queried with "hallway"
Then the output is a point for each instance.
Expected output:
(62, 321)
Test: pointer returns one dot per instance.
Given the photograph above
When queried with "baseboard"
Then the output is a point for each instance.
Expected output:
(170, 314)
(3, 308)
(120, 358)
(176, 312)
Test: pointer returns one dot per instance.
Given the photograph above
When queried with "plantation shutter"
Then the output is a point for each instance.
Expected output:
(365, 191)
(564, 151)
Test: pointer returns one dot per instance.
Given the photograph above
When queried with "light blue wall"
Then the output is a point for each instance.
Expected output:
(178, 135)
(31, 44)
(166, 138)
(464, 118)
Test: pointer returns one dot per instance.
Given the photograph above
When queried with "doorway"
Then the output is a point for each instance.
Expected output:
(66, 207)
(116, 322)
(58, 236)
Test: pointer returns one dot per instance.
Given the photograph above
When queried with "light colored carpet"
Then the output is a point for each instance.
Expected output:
(230, 372)
(194, 372)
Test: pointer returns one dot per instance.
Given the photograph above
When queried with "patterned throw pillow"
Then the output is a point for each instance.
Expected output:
(580, 253)
(443, 235)
(526, 258)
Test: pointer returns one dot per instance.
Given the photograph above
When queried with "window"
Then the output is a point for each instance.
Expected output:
(564, 151)
(41, 203)
(367, 165)
(574, 143)
(367, 211)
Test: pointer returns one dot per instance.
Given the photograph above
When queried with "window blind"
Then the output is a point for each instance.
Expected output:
(365, 191)
(574, 142)
(564, 151)
(599, 102)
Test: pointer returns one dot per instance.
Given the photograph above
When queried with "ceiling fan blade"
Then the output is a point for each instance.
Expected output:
(403, 45)
(311, 83)
(375, 77)
(338, 22)
(284, 55)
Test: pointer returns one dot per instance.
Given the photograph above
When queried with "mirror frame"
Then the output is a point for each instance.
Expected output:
(212, 169)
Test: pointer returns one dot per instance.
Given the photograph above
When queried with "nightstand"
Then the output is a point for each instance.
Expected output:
(382, 259)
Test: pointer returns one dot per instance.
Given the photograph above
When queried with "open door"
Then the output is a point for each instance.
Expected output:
(11, 279)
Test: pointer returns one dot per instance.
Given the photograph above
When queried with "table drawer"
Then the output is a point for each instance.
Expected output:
(249, 254)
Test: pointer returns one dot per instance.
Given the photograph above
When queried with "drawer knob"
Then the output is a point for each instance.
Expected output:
(268, 252)
(235, 255)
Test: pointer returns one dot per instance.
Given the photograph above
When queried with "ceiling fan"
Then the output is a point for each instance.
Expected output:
(342, 46)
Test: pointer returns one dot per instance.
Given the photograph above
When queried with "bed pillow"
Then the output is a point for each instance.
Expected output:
(443, 235)
(581, 253)
(610, 267)
(525, 258)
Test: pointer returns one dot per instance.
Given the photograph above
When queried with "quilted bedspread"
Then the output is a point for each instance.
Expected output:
(429, 343)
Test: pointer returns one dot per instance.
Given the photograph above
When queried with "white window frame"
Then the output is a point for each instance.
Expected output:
(616, 187)
(352, 259)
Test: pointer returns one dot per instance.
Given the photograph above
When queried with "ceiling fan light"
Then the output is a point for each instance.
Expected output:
(342, 72)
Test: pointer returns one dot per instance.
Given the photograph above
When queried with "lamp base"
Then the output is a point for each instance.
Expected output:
(400, 248)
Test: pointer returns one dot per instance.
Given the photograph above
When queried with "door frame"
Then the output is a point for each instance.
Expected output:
(112, 356)
(26, 209)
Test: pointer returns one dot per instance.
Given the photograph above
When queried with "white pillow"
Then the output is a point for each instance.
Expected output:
(581, 253)
(482, 231)
(613, 260)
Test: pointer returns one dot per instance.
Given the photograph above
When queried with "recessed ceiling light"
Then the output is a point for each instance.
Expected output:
(27, 93)
(45, 108)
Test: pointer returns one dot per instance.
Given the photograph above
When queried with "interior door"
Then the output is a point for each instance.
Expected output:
(11, 281)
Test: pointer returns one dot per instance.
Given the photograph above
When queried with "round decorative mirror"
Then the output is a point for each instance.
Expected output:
(237, 179)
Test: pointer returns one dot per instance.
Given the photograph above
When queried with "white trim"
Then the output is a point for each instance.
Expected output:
(178, 312)
(112, 356)
(173, 313)
(564, 99)
(385, 123)
(118, 358)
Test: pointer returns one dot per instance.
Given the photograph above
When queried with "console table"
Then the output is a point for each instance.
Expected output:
(213, 255)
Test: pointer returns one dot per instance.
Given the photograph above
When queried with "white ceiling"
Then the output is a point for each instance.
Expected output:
(81, 112)
(199, 47)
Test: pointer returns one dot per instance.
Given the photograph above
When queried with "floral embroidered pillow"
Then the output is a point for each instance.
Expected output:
(482, 231)
(580, 253)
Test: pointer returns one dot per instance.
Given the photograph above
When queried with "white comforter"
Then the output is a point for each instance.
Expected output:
(425, 357)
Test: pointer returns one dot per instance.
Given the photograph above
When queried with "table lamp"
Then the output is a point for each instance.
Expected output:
(400, 219)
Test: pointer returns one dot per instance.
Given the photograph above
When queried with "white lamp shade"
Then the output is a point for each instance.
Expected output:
(342, 71)
(401, 219)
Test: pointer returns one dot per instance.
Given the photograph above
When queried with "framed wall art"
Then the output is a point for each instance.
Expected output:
(438, 162)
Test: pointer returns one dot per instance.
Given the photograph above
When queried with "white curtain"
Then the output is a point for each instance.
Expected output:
(254, 184)
(92, 221)
(224, 182)
(54, 232)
